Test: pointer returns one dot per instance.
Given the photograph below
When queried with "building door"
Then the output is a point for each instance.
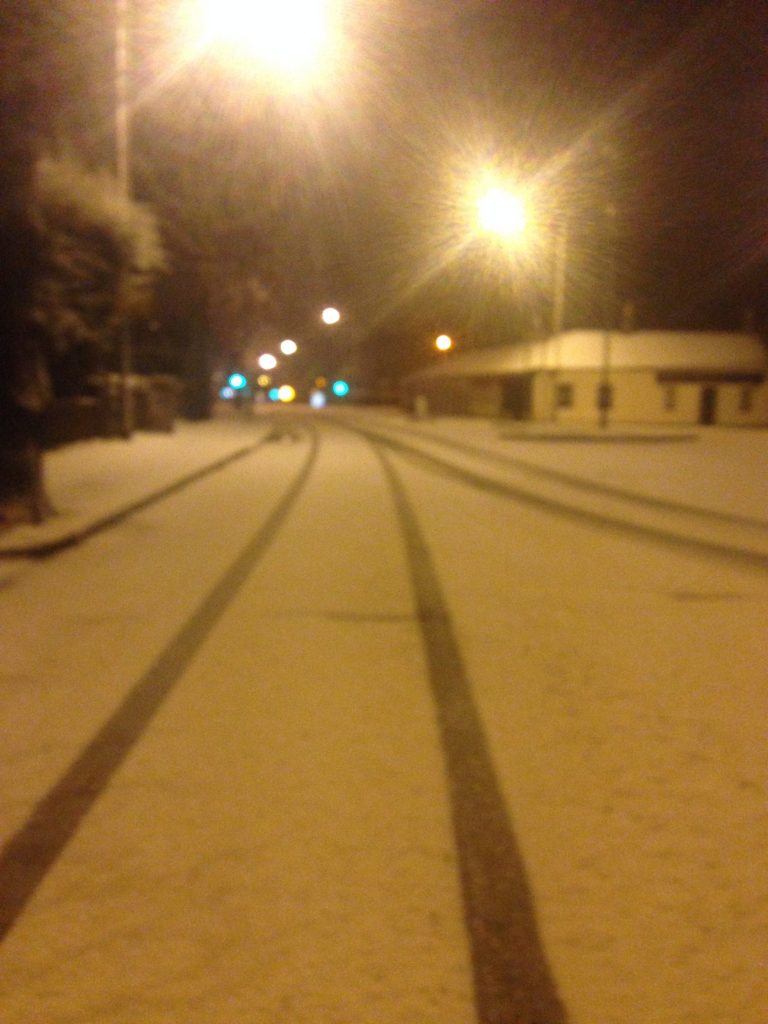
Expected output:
(708, 405)
(516, 397)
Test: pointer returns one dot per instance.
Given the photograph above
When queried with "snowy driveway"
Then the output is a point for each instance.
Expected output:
(279, 843)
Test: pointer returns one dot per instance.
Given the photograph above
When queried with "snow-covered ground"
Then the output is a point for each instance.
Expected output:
(90, 481)
(714, 468)
(277, 846)
(718, 469)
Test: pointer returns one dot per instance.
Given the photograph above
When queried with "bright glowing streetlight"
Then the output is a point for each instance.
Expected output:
(289, 36)
(288, 347)
(267, 361)
(330, 315)
(501, 212)
(443, 343)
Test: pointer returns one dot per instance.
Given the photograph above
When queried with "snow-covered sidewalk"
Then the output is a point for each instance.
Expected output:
(92, 483)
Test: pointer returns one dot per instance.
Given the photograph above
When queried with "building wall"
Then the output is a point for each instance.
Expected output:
(581, 386)
(743, 404)
(638, 397)
(485, 397)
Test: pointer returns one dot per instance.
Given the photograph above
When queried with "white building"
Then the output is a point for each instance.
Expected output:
(589, 376)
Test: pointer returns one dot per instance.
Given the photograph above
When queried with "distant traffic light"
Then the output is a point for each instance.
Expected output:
(237, 381)
(340, 388)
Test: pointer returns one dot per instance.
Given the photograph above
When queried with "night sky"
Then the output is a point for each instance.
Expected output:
(657, 110)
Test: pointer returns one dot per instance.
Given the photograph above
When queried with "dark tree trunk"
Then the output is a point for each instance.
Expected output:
(24, 380)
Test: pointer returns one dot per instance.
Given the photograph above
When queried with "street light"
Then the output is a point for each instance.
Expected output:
(502, 212)
(443, 343)
(289, 36)
(330, 315)
(507, 214)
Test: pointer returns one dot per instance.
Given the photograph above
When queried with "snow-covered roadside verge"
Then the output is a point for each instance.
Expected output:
(93, 483)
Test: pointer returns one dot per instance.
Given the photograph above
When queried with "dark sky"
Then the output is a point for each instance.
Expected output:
(658, 108)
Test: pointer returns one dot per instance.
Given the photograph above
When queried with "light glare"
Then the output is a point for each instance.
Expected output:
(267, 361)
(330, 315)
(501, 212)
(288, 36)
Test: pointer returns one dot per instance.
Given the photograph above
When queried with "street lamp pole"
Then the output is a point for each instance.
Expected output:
(559, 270)
(122, 117)
(122, 168)
(605, 390)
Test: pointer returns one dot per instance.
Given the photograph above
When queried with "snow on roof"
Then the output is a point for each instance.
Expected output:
(582, 350)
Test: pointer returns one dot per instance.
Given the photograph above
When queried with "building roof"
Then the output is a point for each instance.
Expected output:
(706, 351)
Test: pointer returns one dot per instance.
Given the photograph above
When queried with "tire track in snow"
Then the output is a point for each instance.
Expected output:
(29, 855)
(512, 980)
(678, 536)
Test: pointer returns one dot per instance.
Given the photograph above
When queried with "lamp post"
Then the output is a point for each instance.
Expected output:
(288, 38)
(558, 275)
(604, 388)
(504, 213)
(123, 173)
(122, 115)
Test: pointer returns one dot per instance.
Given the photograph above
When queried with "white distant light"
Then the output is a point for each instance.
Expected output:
(288, 347)
(267, 361)
(443, 342)
(286, 393)
(330, 315)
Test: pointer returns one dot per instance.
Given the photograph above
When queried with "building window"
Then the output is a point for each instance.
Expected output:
(745, 399)
(670, 398)
(564, 396)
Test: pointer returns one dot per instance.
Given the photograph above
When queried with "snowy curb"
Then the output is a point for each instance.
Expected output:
(61, 536)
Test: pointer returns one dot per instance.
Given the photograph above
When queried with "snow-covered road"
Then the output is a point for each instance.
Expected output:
(278, 845)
